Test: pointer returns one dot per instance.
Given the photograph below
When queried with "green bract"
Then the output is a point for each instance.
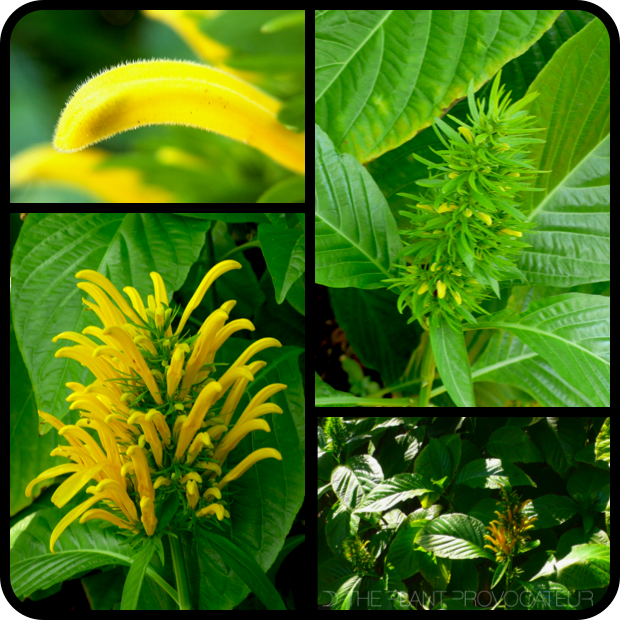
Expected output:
(466, 229)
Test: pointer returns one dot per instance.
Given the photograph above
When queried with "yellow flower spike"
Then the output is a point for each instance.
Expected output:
(468, 212)
(127, 462)
(514, 233)
(423, 289)
(170, 92)
(457, 297)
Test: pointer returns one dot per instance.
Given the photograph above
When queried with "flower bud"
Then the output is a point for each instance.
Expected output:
(441, 289)
(464, 131)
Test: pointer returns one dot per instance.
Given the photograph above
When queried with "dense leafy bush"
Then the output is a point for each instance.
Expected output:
(463, 513)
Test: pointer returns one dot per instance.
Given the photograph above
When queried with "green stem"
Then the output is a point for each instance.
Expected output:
(178, 564)
(428, 371)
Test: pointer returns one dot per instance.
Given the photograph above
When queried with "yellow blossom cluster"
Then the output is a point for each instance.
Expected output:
(508, 531)
(155, 423)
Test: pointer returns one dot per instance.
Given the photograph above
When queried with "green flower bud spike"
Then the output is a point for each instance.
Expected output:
(484, 167)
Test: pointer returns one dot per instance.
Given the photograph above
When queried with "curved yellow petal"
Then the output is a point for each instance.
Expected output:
(177, 93)
(248, 461)
(84, 171)
(187, 28)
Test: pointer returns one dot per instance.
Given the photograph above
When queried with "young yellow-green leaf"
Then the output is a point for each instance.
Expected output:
(177, 93)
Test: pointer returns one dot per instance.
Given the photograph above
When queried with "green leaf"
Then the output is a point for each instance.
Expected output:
(394, 491)
(571, 332)
(578, 189)
(471, 102)
(166, 510)
(377, 79)
(81, 549)
(499, 573)
(346, 199)
(455, 536)
(247, 569)
(135, 576)
(603, 443)
(452, 362)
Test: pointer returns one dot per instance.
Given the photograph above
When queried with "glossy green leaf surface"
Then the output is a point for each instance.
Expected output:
(247, 569)
(572, 241)
(355, 234)
(452, 362)
(571, 334)
(382, 75)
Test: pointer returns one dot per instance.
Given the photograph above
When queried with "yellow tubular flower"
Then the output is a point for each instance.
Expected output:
(148, 515)
(236, 435)
(84, 170)
(203, 287)
(248, 461)
(201, 440)
(203, 347)
(253, 349)
(105, 284)
(196, 416)
(259, 398)
(141, 438)
(175, 371)
(215, 509)
(145, 486)
(169, 92)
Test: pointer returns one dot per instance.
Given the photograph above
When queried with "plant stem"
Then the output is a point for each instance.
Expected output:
(428, 372)
(178, 564)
